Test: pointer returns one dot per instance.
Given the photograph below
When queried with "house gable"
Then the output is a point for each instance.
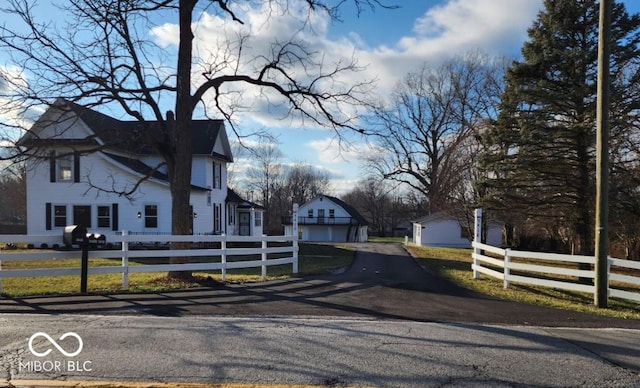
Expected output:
(326, 218)
(327, 203)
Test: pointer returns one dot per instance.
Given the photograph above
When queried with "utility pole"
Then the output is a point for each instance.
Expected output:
(601, 296)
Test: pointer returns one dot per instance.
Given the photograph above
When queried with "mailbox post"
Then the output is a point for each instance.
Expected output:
(77, 235)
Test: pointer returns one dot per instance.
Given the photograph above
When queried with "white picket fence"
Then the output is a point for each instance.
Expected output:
(503, 262)
(130, 241)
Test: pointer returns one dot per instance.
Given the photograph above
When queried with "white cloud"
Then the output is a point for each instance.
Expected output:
(454, 27)
(15, 115)
(451, 28)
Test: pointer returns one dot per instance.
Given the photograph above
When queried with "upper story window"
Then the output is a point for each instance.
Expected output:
(65, 165)
(332, 213)
(310, 213)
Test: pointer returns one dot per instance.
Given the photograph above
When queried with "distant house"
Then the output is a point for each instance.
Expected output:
(82, 160)
(245, 218)
(442, 230)
(328, 219)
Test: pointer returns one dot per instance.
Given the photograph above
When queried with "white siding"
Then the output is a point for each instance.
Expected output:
(101, 172)
(448, 233)
(327, 231)
(325, 204)
(199, 171)
(61, 125)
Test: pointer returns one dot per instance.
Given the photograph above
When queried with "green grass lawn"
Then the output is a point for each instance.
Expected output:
(455, 265)
(313, 259)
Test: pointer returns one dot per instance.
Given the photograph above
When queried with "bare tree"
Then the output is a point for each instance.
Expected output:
(431, 116)
(301, 182)
(13, 195)
(265, 174)
(105, 56)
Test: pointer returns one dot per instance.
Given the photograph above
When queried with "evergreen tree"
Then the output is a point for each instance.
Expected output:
(540, 152)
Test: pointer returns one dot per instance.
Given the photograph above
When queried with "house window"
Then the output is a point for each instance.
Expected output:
(60, 216)
(230, 213)
(332, 213)
(209, 196)
(310, 213)
(104, 216)
(217, 175)
(258, 216)
(217, 218)
(150, 216)
(65, 164)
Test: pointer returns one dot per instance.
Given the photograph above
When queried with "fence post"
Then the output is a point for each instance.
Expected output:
(223, 256)
(296, 248)
(0, 278)
(125, 259)
(507, 269)
(609, 258)
(264, 257)
(477, 237)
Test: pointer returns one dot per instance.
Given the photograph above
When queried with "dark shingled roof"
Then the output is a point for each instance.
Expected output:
(350, 209)
(131, 137)
(144, 169)
(234, 197)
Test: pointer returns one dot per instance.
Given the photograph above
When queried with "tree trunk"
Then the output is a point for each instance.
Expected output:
(181, 138)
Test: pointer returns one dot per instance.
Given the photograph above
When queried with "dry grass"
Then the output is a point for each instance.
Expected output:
(312, 259)
(455, 265)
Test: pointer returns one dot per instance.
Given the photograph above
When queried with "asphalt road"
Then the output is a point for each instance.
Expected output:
(327, 352)
(383, 322)
(383, 282)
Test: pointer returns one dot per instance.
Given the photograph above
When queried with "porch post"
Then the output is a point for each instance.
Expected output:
(252, 221)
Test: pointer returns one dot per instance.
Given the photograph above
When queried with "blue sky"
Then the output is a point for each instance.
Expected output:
(389, 43)
(397, 41)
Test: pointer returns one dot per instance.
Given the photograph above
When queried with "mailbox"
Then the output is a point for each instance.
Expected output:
(96, 239)
(74, 235)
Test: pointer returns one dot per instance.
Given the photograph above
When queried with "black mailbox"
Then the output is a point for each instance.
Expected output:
(96, 239)
(74, 235)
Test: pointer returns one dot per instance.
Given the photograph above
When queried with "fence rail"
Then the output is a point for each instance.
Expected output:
(127, 242)
(552, 270)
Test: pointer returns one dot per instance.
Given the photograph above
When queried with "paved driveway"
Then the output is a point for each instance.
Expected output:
(383, 282)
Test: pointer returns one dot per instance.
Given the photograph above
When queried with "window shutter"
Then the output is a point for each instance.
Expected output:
(76, 167)
(47, 216)
(114, 217)
(52, 166)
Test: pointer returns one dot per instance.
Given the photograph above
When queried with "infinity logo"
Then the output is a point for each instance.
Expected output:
(54, 343)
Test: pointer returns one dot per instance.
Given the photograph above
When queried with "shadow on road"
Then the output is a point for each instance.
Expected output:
(383, 282)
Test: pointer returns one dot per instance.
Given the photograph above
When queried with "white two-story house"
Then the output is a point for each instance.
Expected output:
(82, 163)
(329, 219)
